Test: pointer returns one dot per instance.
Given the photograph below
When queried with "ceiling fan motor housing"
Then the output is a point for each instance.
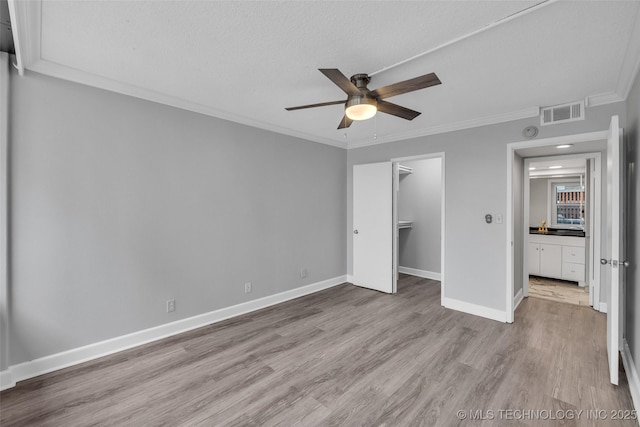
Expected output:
(360, 107)
(359, 100)
(361, 81)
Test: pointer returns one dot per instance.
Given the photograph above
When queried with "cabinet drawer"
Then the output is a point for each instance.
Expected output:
(573, 271)
(573, 254)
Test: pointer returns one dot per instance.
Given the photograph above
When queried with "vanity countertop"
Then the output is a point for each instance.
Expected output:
(574, 232)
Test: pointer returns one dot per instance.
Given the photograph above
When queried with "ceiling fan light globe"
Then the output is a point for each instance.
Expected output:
(360, 108)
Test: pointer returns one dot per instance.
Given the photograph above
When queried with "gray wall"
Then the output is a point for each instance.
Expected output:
(632, 129)
(419, 200)
(118, 204)
(475, 184)
(538, 200)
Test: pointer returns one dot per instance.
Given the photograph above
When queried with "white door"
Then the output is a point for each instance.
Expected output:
(614, 250)
(373, 226)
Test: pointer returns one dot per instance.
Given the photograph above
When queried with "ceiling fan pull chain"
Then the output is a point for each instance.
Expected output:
(375, 127)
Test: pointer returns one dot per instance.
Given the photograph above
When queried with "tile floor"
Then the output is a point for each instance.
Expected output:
(558, 290)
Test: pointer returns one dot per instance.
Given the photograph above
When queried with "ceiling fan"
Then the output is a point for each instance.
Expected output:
(362, 103)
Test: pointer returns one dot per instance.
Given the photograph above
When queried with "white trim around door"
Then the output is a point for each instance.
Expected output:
(511, 151)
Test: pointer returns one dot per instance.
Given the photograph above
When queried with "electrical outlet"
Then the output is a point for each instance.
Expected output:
(303, 273)
(247, 287)
(171, 305)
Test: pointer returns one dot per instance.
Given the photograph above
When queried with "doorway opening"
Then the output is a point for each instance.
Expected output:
(610, 144)
(418, 212)
(399, 223)
(518, 192)
(562, 228)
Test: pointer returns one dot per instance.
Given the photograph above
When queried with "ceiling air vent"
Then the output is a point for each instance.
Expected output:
(562, 113)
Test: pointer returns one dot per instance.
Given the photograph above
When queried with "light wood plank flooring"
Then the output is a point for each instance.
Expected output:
(558, 290)
(345, 356)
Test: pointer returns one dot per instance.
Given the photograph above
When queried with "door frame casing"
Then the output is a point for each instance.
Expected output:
(511, 151)
(441, 156)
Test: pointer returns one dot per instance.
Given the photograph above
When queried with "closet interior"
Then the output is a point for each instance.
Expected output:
(418, 205)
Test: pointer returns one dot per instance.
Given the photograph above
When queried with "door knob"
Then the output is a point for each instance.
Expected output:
(355, 231)
(614, 263)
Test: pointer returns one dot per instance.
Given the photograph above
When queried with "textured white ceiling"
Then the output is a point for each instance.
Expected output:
(247, 61)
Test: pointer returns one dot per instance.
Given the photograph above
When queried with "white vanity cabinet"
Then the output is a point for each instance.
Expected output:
(545, 260)
(550, 260)
(533, 254)
(557, 257)
(573, 263)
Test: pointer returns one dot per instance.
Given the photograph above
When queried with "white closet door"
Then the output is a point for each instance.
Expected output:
(373, 226)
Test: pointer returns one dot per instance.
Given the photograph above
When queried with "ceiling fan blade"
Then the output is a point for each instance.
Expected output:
(410, 85)
(345, 122)
(340, 80)
(322, 104)
(396, 110)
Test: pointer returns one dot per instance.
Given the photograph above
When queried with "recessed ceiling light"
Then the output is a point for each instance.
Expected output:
(564, 146)
(555, 167)
(532, 169)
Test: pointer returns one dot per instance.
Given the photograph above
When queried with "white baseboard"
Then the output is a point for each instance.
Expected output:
(420, 273)
(518, 299)
(632, 374)
(603, 307)
(476, 310)
(43, 365)
(6, 381)
(350, 278)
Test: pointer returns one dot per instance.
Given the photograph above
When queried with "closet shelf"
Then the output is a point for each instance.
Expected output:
(405, 224)
(404, 170)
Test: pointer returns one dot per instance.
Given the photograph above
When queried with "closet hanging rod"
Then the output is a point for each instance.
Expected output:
(404, 169)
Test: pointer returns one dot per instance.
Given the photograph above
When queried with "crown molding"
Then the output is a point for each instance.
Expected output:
(603, 99)
(25, 28)
(26, 24)
(451, 127)
(77, 76)
(26, 20)
(631, 63)
(628, 72)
